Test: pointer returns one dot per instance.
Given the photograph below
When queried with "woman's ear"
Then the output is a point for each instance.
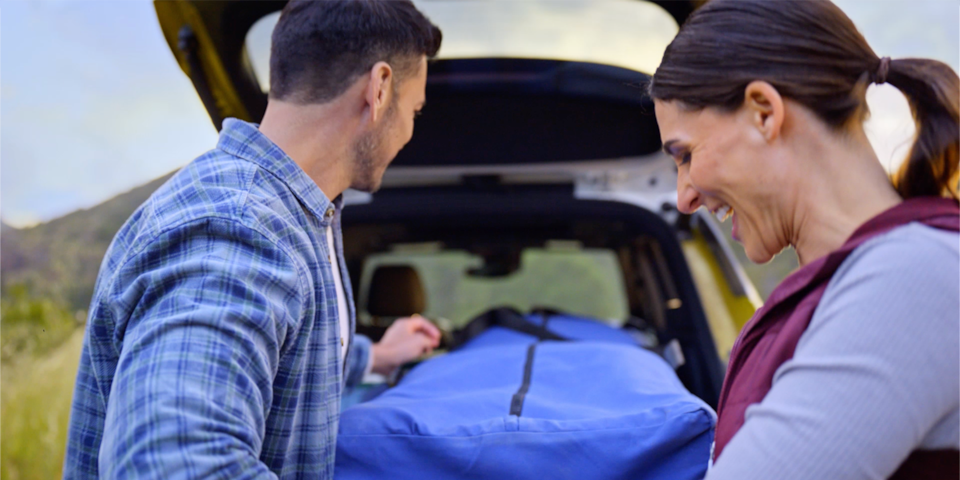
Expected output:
(766, 109)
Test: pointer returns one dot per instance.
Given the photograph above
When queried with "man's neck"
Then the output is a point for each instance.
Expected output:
(316, 138)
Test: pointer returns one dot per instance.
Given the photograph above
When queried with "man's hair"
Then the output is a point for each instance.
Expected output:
(321, 47)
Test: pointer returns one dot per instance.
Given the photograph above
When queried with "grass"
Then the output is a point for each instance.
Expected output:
(35, 396)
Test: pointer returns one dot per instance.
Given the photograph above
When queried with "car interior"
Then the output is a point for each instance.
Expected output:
(420, 250)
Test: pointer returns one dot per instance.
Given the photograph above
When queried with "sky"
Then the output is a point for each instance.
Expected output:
(92, 102)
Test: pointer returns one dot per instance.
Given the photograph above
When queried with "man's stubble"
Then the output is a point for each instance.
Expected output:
(367, 173)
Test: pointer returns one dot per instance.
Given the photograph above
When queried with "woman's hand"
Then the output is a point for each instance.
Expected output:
(407, 339)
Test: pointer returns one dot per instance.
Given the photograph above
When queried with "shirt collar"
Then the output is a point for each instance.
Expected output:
(244, 140)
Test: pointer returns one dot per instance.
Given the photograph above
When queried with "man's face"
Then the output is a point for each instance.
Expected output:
(375, 149)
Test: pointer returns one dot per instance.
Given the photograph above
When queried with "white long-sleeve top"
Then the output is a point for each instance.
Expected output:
(875, 376)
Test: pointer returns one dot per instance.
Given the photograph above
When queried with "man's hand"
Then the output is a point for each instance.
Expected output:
(405, 340)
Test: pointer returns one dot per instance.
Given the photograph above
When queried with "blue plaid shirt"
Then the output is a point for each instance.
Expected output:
(211, 350)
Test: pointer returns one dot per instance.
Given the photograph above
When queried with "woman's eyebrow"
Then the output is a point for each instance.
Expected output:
(669, 147)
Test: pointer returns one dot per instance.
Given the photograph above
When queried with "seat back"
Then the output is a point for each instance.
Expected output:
(395, 291)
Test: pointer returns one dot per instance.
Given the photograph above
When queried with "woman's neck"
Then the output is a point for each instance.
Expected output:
(842, 185)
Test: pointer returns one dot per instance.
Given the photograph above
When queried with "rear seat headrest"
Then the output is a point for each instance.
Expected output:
(395, 291)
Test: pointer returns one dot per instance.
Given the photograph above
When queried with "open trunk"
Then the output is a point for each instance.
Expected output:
(497, 222)
(515, 159)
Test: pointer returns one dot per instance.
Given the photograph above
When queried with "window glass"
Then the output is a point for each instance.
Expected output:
(586, 282)
(625, 33)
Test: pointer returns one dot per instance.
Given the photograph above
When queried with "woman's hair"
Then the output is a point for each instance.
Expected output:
(813, 54)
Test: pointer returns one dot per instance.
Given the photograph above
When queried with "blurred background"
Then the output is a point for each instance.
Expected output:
(96, 114)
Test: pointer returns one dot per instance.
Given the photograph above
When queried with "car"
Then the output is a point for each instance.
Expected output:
(534, 179)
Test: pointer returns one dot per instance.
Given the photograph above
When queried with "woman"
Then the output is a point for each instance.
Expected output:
(851, 369)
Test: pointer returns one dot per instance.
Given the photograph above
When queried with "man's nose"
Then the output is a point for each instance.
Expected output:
(688, 198)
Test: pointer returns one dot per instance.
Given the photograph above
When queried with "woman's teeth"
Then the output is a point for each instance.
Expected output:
(722, 213)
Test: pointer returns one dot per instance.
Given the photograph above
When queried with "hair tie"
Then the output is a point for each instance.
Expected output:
(882, 70)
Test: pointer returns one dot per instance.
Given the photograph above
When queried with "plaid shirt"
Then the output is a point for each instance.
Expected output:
(211, 350)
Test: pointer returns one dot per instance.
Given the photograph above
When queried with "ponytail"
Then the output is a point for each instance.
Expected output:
(932, 88)
(813, 54)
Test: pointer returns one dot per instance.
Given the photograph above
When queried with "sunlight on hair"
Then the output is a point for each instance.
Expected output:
(924, 29)
(890, 127)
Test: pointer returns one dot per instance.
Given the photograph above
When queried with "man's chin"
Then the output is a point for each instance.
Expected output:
(374, 189)
(371, 186)
(369, 179)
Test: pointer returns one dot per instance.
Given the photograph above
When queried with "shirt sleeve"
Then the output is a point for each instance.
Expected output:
(212, 305)
(874, 373)
(359, 360)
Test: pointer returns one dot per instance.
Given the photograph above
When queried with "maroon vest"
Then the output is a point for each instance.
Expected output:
(770, 338)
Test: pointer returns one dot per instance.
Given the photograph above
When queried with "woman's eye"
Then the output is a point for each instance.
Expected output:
(685, 159)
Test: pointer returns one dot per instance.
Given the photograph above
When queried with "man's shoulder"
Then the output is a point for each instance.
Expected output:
(207, 220)
(211, 186)
(216, 187)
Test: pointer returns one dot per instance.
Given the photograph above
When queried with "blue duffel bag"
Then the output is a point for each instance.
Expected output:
(509, 406)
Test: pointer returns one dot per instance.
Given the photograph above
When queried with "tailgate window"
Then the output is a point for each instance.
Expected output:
(623, 33)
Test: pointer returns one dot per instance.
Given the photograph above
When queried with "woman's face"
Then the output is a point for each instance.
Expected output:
(727, 164)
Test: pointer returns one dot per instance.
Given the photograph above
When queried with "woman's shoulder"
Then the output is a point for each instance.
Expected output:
(915, 232)
(881, 349)
(912, 249)
(907, 278)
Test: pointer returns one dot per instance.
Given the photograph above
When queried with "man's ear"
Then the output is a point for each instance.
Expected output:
(379, 90)
(765, 107)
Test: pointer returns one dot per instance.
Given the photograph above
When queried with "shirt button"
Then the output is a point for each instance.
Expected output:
(329, 213)
(341, 342)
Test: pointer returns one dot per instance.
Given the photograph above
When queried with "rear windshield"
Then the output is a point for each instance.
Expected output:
(624, 33)
(567, 278)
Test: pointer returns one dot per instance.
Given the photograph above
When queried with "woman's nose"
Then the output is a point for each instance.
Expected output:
(688, 198)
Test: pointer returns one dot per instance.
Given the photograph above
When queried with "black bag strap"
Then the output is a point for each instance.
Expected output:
(512, 319)
(504, 317)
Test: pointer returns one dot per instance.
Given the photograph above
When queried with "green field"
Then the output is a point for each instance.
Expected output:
(35, 392)
(48, 273)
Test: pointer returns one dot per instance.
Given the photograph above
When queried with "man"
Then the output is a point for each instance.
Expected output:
(220, 335)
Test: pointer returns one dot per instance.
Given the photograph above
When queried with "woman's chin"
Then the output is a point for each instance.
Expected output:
(756, 254)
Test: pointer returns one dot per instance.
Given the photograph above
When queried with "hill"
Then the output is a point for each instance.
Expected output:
(48, 274)
(59, 260)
